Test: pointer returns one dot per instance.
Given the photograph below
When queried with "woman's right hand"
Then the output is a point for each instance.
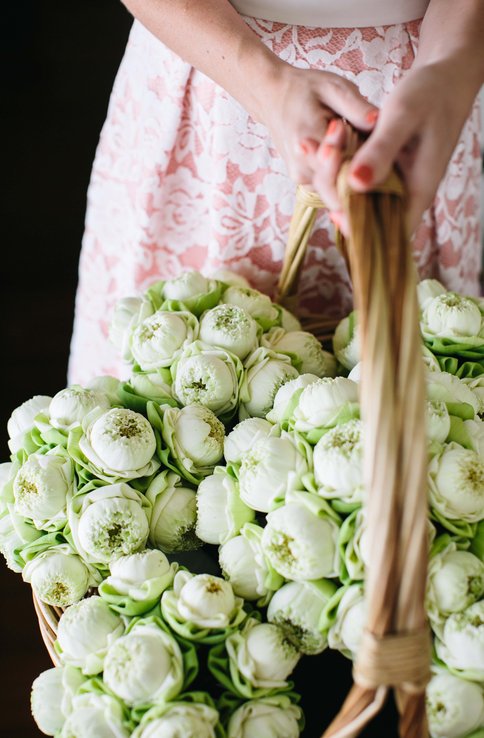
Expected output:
(301, 107)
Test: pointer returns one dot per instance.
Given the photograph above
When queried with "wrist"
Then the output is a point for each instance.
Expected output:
(262, 74)
(452, 83)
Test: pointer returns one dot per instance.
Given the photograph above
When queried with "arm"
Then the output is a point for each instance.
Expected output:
(420, 122)
(294, 104)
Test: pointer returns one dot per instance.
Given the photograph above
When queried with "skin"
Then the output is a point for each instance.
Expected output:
(417, 128)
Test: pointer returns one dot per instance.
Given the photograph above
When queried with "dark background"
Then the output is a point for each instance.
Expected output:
(58, 62)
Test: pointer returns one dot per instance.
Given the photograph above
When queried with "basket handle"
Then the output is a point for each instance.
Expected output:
(395, 649)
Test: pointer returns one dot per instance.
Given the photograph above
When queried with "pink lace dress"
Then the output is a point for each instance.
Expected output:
(185, 179)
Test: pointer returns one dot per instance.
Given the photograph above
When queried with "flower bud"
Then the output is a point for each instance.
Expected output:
(85, 632)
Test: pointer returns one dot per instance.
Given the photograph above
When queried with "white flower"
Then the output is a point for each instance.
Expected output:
(202, 600)
(120, 443)
(85, 632)
(220, 511)
(229, 277)
(270, 468)
(152, 385)
(96, 715)
(475, 432)
(429, 359)
(461, 645)
(262, 654)
(22, 418)
(288, 320)
(187, 286)
(51, 697)
(346, 632)
(427, 289)
(229, 327)
(346, 341)
(207, 376)
(243, 436)
(15, 530)
(300, 540)
(270, 717)
(451, 315)
(297, 608)
(129, 312)
(287, 396)
(266, 372)
(109, 521)
(304, 349)
(355, 373)
(41, 487)
(338, 462)
(107, 386)
(177, 720)
(160, 338)
(58, 576)
(195, 437)
(70, 406)
(438, 421)
(244, 564)
(322, 403)
(174, 514)
(145, 665)
(455, 581)
(455, 707)
(139, 576)
(445, 387)
(456, 481)
(255, 303)
(476, 384)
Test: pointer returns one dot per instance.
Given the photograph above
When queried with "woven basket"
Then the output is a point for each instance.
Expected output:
(395, 651)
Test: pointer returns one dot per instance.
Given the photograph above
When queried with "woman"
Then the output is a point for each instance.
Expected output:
(216, 115)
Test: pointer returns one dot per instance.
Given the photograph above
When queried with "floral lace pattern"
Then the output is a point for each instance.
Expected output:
(184, 179)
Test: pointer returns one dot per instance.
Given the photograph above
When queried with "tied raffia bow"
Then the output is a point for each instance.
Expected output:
(395, 648)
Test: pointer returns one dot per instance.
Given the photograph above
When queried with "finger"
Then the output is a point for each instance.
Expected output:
(340, 221)
(423, 177)
(373, 161)
(329, 160)
(345, 99)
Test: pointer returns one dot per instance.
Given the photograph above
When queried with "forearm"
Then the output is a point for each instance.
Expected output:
(212, 37)
(452, 35)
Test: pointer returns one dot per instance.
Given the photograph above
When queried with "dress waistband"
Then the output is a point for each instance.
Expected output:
(334, 13)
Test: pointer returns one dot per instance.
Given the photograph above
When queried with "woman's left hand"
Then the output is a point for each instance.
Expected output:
(417, 129)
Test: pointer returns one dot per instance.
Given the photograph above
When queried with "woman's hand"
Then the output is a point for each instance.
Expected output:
(302, 106)
(417, 129)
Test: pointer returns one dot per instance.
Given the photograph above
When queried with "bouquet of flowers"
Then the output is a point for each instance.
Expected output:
(235, 429)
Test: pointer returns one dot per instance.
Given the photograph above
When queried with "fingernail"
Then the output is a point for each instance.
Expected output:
(325, 151)
(332, 127)
(372, 116)
(303, 147)
(363, 173)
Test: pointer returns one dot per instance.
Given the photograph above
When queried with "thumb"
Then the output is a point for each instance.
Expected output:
(374, 160)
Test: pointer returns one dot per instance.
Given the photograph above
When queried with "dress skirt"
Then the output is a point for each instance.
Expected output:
(184, 179)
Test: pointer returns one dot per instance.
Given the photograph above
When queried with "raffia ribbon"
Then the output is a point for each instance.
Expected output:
(395, 650)
(394, 660)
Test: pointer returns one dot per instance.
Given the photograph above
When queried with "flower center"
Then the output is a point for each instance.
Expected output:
(213, 587)
(281, 547)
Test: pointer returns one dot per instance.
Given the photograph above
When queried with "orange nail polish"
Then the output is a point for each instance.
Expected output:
(303, 147)
(332, 126)
(372, 116)
(364, 173)
(326, 151)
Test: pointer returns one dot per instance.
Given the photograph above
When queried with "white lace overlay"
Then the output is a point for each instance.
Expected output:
(185, 179)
